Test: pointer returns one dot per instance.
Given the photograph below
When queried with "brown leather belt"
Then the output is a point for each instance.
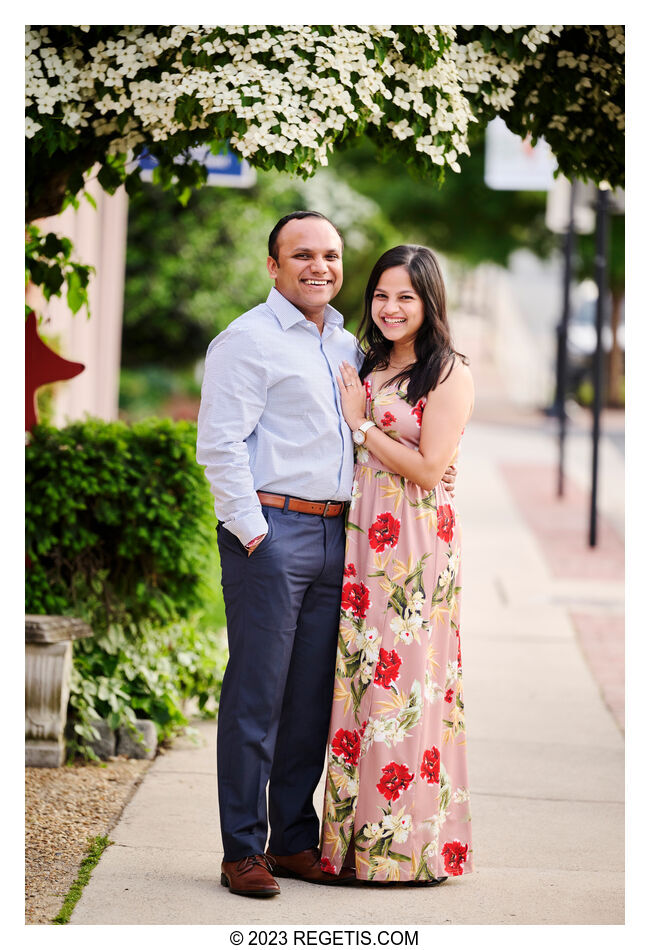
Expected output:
(328, 509)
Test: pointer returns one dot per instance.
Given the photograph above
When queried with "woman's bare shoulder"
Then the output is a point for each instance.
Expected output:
(459, 376)
(455, 392)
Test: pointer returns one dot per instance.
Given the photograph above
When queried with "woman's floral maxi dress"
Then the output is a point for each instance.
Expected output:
(396, 772)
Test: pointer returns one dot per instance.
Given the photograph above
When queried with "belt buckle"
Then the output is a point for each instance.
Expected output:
(326, 509)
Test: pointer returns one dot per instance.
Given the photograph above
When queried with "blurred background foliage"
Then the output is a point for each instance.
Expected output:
(191, 270)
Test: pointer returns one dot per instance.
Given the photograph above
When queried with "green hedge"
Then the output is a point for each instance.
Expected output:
(120, 510)
(120, 531)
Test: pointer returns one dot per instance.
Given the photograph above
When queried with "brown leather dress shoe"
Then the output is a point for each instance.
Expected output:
(250, 876)
(306, 867)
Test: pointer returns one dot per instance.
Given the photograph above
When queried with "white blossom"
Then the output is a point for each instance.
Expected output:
(352, 786)
(407, 626)
(415, 602)
(293, 88)
(432, 691)
(31, 127)
(452, 673)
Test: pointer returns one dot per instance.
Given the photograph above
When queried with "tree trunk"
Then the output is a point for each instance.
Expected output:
(47, 184)
(615, 360)
(48, 202)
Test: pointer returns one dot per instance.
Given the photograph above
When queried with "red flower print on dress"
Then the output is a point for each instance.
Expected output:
(417, 411)
(347, 745)
(387, 669)
(387, 420)
(446, 522)
(355, 597)
(449, 695)
(394, 780)
(350, 570)
(367, 387)
(430, 768)
(327, 866)
(384, 532)
(455, 855)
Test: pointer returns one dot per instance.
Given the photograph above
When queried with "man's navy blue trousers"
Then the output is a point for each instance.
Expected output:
(282, 612)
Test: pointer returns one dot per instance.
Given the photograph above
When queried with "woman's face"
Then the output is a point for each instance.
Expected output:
(396, 308)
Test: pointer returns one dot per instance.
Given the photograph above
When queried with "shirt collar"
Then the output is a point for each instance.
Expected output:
(288, 315)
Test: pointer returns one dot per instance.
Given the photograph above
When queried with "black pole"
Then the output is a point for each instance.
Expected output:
(602, 248)
(562, 332)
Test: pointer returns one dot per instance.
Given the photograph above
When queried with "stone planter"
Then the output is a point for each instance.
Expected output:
(48, 662)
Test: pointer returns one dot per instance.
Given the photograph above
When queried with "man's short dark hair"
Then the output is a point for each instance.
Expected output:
(298, 215)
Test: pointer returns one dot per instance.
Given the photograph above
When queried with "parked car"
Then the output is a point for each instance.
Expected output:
(581, 336)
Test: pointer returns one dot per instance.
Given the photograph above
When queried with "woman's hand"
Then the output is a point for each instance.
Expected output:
(353, 395)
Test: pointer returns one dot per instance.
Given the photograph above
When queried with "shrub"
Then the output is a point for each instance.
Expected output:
(144, 672)
(120, 531)
(117, 511)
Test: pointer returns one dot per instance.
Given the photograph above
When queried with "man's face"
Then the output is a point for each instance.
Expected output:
(309, 268)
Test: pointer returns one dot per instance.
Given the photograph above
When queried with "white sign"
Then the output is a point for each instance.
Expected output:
(557, 206)
(513, 164)
(225, 170)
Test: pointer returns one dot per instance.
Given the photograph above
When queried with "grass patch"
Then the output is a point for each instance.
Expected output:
(96, 847)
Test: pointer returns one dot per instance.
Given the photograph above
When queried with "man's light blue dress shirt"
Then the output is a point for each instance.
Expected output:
(270, 416)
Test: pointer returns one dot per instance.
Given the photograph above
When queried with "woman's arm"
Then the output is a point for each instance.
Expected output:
(445, 414)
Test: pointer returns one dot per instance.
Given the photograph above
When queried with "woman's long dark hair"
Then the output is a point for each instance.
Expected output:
(434, 353)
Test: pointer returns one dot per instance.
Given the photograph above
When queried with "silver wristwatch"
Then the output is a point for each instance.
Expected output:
(359, 435)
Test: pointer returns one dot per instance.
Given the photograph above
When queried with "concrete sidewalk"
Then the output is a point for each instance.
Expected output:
(545, 751)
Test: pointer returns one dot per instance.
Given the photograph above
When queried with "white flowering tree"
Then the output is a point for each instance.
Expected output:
(284, 97)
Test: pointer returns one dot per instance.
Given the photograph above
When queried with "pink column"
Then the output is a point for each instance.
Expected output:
(99, 238)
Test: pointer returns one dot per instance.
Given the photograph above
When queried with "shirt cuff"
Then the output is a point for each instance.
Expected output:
(247, 527)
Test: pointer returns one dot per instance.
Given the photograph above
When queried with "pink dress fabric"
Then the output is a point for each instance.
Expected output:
(397, 789)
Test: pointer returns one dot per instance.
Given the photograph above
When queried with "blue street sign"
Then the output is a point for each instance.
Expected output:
(224, 170)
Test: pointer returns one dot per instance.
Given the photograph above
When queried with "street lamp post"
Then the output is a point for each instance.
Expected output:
(602, 247)
(562, 332)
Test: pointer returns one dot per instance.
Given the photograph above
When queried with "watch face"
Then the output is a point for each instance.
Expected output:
(359, 437)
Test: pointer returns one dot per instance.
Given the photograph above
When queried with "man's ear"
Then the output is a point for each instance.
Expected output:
(272, 267)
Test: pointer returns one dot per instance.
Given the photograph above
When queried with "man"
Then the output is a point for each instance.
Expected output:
(279, 458)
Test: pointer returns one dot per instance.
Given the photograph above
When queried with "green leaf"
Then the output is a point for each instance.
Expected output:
(355, 527)
(343, 809)
(51, 245)
(75, 296)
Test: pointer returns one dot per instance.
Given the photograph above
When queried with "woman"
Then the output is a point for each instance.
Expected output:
(396, 802)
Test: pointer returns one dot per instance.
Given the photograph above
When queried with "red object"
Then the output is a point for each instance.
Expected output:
(395, 779)
(417, 412)
(385, 531)
(355, 597)
(42, 366)
(455, 855)
(446, 522)
(347, 745)
(430, 768)
(387, 668)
